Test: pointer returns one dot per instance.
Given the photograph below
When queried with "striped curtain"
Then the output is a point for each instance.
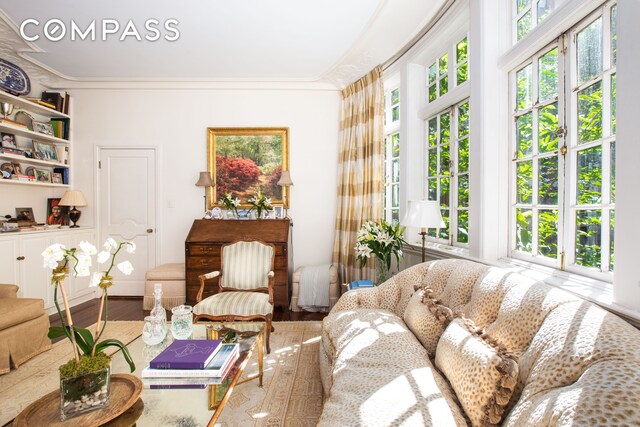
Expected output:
(360, 170)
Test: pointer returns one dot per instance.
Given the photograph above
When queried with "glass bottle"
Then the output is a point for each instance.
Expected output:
(158, 310)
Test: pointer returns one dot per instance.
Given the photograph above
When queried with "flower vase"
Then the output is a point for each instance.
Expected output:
(382, 272)
(229, 214)
(84, 393)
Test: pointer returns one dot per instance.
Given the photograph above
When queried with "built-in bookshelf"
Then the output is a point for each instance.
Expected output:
(44, 157)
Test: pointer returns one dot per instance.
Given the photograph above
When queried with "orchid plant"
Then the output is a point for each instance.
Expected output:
(230, 202)
(260, 203)
(60, 259)
(381, 239)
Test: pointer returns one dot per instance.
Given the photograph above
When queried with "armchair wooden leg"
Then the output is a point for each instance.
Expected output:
(268, 328)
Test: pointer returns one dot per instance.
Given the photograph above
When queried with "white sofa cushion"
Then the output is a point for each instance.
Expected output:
(382, 375)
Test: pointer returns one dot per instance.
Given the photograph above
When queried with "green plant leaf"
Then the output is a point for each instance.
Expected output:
(117, 343)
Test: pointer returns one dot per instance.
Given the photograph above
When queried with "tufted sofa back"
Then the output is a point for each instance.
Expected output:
(578, 363)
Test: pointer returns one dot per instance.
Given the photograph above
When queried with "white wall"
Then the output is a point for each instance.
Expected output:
(176, 121)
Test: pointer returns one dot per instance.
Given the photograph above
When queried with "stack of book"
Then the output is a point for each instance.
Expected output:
(191, 364)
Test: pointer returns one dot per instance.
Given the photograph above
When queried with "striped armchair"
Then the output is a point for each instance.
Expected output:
(246, 286)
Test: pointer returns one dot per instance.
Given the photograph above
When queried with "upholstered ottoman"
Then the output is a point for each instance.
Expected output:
(334, 288)
(172, 278)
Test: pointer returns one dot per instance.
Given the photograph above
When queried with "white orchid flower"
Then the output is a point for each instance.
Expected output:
(130, 247)
(103, 257)
(95, 279)
(87, 248)
(53, 254)
(125, 267)
(110, 245)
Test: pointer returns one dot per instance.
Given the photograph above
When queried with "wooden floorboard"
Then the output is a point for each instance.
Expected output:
(130, 308)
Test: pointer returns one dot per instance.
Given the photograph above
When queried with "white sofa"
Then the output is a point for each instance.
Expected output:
(454, 342)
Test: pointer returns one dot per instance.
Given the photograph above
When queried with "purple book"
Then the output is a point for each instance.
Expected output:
(186, 354)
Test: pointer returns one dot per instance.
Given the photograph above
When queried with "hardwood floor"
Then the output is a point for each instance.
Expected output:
(130, 308)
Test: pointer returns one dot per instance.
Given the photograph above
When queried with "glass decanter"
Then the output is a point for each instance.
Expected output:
(158, 310)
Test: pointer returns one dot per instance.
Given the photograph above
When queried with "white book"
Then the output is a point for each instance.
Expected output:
(227, 354)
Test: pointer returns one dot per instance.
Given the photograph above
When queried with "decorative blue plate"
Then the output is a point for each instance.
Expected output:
(13, 79)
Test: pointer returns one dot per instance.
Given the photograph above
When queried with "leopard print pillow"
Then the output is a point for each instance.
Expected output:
(482, 374)
(426, 319)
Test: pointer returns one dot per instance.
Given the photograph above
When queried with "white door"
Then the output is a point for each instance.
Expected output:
(127, 210)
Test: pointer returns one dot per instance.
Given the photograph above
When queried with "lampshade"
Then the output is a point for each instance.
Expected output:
(205, 180)
(423, 214)
(285, 179)
(73, 198)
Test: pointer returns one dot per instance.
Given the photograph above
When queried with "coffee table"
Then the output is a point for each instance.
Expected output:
(201, 406)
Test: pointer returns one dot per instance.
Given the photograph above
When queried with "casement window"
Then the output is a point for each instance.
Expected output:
(529, 13)
(392, 156)
(450, 69)
(447, 172)
(563, 172)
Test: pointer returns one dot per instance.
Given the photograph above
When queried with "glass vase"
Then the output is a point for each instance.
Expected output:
(84, 393)
(182, 321)
(382, 272)
(154, 330)
(229, 214)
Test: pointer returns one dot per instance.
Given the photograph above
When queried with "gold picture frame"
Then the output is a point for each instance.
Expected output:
(243, 160)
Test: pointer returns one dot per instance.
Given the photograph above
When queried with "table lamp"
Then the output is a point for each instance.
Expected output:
(423, 214)
(73, 198)
(205, 181)
(284, 182)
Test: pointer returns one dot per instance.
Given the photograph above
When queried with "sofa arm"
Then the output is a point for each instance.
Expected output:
(9, 291)
(359, 298)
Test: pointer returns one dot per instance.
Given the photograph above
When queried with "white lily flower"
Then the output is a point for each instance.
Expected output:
(125, 267)
(110, 245)
(130, 247)
(53, 254)
(87, 248)
(103, 257)
(95, 279)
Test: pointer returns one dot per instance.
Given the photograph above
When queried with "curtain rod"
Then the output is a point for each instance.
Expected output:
(443, 9)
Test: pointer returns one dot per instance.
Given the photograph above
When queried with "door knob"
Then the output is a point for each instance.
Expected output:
(149, 230)
(20, 258)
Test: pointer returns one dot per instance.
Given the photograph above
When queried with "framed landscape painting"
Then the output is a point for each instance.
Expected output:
(247, 160)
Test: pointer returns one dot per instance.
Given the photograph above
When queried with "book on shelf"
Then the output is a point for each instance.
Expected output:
(63, 154)
(60, 128)
(13, 123)
(186, 354)
(65, 174)
(42, 103)
(222, 360)
(53, 98)
(13, 151)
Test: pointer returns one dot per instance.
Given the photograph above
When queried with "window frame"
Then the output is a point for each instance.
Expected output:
(391, 128)
(567, 167)
(454, 174)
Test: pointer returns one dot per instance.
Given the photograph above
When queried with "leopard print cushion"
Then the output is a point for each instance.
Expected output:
(581, 368)
(421, 319)
(482, 376)
(382, 376)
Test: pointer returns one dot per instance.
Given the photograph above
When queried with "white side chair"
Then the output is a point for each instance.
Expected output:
(245, 286)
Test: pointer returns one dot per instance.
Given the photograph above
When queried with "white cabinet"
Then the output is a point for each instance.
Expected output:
(21, 264)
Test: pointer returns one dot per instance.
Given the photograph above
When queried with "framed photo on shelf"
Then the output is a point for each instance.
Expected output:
(56, 214)
(24, 214)
(9, 140)
(56, 178)
(279, 212)
(42, 127)
(17, 169)
(42, 175)
(45, 151)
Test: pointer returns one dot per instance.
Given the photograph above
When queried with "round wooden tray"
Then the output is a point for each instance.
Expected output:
(125, 391)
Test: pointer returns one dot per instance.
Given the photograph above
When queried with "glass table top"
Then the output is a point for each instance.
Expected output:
(189, 406)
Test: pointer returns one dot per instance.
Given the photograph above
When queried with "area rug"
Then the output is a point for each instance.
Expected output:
(291, 395)
(39, 376)
(292, 392)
